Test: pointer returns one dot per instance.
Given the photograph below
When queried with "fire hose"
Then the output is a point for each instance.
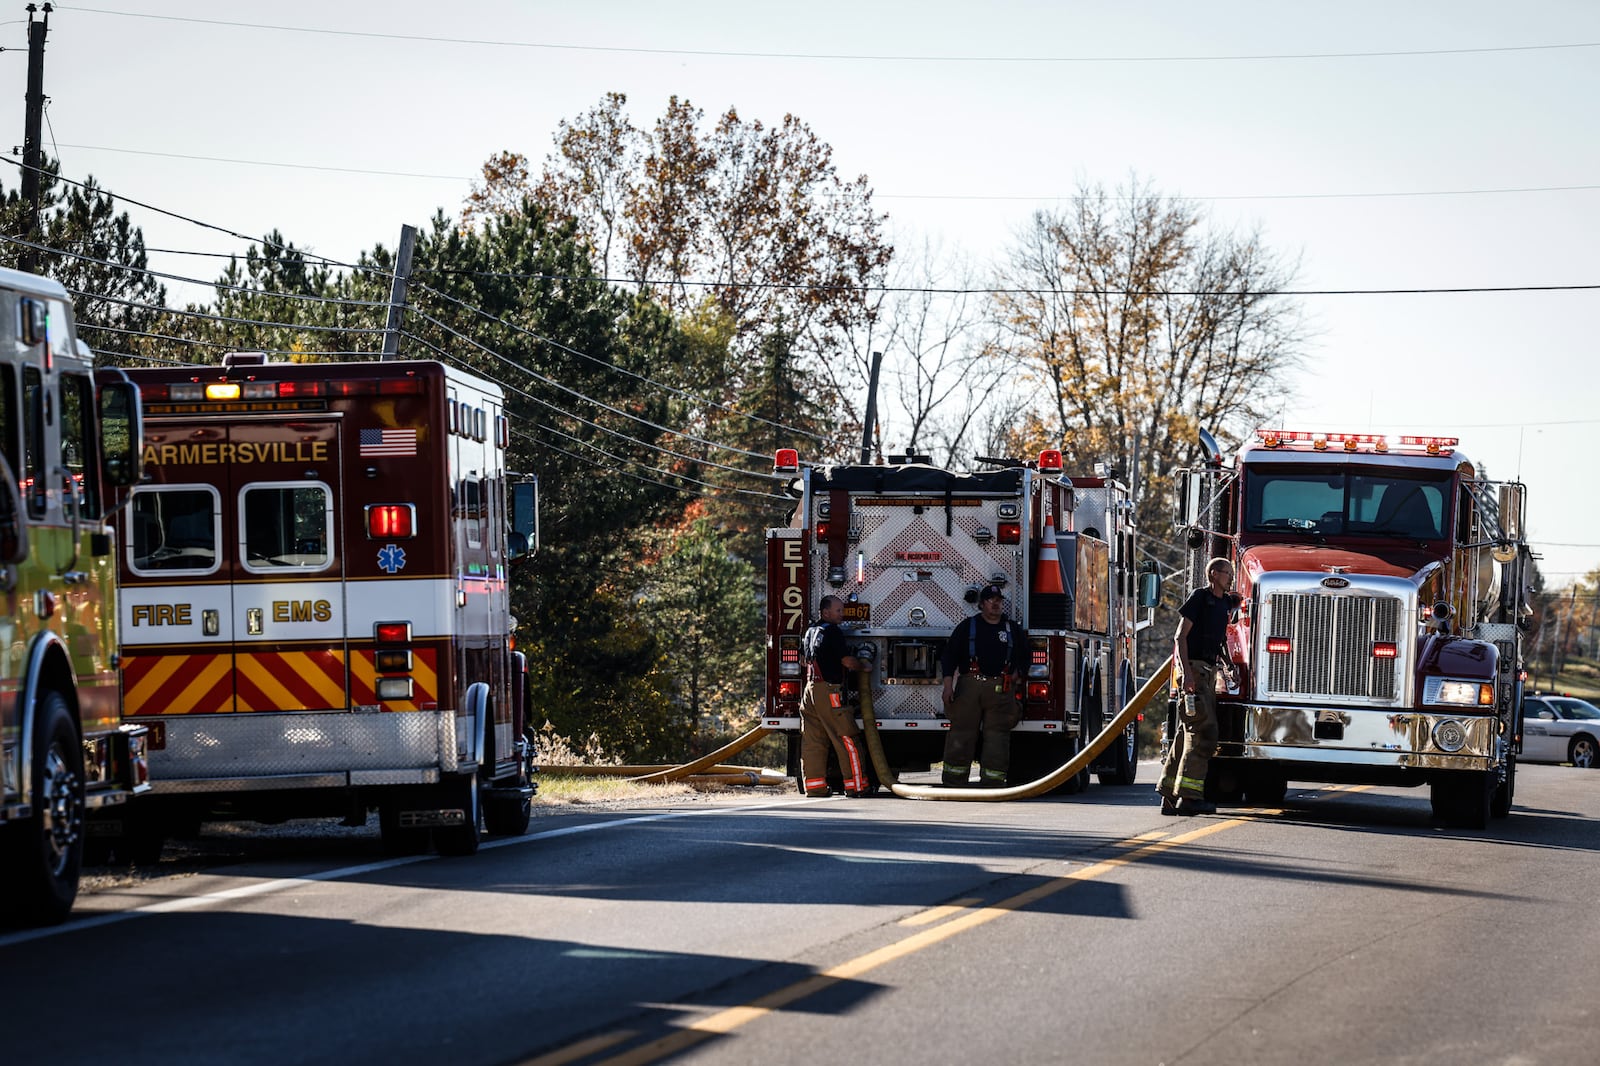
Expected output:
(1055, 779)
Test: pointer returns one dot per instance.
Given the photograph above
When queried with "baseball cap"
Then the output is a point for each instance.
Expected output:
(991, 592)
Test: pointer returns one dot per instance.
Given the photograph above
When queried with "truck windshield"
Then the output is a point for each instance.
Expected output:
(1373, 502)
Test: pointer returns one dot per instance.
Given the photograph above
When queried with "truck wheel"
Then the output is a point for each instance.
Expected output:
(1266, 790)
(1584, 753)
(506, 815)
(45, 852)
(1506, 791)
(1126, 752)
(1462, 798)
(460, 839)
(396, 839)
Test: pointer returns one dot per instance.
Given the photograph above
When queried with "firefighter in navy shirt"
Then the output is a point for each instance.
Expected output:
(1197, 648)
(824, 719)
(990, 654)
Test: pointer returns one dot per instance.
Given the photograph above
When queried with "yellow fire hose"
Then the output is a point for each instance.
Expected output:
(705, 762)
(1111, 732)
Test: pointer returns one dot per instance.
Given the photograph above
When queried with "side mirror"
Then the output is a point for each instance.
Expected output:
(1149, 589)
(1189, 486)
(35, 325)
(1511, 504)
(121, 433)
(524, 537)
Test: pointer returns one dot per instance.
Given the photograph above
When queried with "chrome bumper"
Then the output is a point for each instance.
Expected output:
(247, 752)
(1399, 737)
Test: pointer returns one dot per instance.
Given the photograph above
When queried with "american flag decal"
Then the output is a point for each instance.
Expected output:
(388, 442)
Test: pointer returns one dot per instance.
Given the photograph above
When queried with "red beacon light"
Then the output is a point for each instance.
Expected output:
(786, 461)
(1050, 461)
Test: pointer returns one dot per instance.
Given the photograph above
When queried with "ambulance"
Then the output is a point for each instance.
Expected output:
(316, 613)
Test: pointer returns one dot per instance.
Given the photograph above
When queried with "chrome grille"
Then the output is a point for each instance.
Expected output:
(1330, 640)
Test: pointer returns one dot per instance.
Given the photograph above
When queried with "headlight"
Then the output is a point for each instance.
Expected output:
(1458, 693)
(1450, 735)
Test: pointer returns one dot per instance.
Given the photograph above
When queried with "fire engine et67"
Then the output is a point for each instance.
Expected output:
(1381, 638)
(316, 614)
(909, 545)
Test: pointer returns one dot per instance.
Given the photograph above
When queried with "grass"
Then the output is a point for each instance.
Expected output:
(558, 791)
(1576, 677)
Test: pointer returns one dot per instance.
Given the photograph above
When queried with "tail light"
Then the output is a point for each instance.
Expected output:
(1038, 690)
(390, 521)
(789, 690)
(392, 633)
(1010, 533)
(788, 656)
(1039, 666)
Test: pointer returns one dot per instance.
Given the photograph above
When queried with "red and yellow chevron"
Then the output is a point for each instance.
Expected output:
(424, 680)
(209, 683)
(290, 681)
(177, 684)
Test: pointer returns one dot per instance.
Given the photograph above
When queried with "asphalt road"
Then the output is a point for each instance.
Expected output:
(1346, 928)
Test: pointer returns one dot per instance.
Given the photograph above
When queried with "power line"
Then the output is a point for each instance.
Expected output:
(246, 289)
(859, 57)
(622, 370)
(442, 353)
(1010, 291)
(224, 318)
(575, 393)
(975, 197)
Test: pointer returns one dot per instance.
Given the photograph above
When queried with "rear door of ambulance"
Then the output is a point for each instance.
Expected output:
(234, 582)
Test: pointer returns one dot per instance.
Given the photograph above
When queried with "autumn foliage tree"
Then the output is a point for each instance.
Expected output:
(750, 218)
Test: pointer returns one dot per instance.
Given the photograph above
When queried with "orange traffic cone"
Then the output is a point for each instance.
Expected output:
(1047, 575)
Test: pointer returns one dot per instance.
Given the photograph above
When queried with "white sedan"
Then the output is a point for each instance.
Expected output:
(1560, 729)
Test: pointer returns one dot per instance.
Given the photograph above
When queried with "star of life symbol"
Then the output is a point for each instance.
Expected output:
(391, 558)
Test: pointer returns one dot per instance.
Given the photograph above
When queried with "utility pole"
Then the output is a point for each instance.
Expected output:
(32, 124)
(397, 292)
(872, 409)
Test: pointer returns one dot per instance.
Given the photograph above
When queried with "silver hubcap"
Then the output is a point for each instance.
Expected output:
(61, 806)
(1583, 754)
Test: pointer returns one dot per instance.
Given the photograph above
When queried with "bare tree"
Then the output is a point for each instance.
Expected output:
(940, 368)
(1139, 327)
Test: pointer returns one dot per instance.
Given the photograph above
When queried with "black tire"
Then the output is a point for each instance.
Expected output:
(1126, 752)
(507, 815)
(463, 839)
(397, 840)
(1584, 752)
(1266, 790)
(1506, 791)
(1462, 798)
(44, 853)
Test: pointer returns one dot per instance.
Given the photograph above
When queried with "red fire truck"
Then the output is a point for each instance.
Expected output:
(315, 614)
(909, 545)
(1380, 641)
(68, 438)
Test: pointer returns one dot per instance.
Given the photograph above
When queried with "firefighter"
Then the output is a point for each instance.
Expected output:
(990, 653)
(824, 719)
(1197, 647)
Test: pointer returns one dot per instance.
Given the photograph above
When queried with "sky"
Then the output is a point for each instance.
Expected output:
(1385, 147)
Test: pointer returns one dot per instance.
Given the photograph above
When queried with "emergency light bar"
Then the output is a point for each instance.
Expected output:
(1351, 442)
(251, 389)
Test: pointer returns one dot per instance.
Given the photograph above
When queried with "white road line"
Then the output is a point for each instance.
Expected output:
(264, 887)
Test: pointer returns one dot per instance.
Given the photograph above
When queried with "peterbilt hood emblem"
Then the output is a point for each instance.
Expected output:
(1335, 583)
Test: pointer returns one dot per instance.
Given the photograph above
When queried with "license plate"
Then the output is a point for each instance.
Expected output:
(858, 612)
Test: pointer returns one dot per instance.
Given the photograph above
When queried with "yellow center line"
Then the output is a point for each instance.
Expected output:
(732, 1018)
(582, 1049)
(935, 914)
